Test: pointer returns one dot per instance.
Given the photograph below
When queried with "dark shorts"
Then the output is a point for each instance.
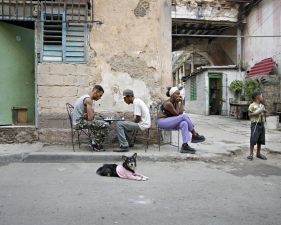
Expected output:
(258, 134)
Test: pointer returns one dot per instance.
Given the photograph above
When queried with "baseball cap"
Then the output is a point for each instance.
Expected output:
(128, 92)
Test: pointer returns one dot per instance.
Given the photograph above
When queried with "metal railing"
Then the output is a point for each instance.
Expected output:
(76, 11)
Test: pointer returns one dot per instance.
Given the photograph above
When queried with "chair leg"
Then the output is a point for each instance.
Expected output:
(159, 133)
(79, 138)
(178, 140)
(171, 137)
(72, 136)
(147, 137)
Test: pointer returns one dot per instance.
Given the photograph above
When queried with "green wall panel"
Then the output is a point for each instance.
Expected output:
(16, 71)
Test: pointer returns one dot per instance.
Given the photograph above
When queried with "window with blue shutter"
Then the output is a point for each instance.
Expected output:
(75, 42)
(62, 42)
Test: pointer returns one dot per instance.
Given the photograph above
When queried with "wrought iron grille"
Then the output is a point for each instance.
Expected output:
(76, 11)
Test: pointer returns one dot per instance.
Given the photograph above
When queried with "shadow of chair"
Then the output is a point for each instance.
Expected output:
(162, 133)
(75, 129)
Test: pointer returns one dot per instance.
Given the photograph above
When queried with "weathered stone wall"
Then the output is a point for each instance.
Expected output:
(263, 20)
(18, 135)
(129, 50)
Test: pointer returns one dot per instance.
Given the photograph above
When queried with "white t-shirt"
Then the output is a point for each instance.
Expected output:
(140, 109)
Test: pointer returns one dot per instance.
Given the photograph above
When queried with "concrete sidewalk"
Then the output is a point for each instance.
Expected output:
(225, 137)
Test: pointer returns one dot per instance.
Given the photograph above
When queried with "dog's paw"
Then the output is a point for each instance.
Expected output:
(144, 178)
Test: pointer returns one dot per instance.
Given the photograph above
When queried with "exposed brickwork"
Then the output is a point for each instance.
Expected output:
(271, 94)
(18, 135)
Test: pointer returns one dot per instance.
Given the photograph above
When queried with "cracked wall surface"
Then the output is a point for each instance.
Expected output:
(126, 51)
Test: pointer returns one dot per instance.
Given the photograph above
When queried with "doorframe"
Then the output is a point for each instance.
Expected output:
(35, 74)
(210, 76)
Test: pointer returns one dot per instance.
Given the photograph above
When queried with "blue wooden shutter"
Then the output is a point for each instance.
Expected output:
(75, 42)
(52, 37)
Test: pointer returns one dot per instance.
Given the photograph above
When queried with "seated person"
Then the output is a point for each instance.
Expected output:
(170, 116)
(141, 121)
(83, 117)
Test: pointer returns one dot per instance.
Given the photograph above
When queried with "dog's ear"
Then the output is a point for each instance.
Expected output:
(134, 156)
(124, 158)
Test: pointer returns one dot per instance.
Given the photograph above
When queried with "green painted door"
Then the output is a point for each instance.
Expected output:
(16, 71)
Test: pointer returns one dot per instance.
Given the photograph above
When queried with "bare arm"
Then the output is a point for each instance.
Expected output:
(90, 112)
(175, 111)
(137, 119)
(256, 113)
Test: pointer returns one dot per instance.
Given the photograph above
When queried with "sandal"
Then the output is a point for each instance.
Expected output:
(261, 156)
(250, 157)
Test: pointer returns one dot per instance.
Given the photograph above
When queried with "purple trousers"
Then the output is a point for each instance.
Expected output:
(181, 122)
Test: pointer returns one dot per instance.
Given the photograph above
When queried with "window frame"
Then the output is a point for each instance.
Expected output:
(65, 42)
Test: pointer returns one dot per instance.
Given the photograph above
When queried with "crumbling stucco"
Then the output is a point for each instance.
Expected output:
(137, 69)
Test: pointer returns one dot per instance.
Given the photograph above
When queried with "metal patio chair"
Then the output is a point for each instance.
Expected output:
(161, 134)
(74, 129)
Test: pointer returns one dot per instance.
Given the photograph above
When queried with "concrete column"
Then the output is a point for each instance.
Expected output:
(192, 63)
(239, 49)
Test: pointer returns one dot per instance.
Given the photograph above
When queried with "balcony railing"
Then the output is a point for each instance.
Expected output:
(77, 11)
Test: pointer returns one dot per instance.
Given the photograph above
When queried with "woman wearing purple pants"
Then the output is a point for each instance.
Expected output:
(171, 116)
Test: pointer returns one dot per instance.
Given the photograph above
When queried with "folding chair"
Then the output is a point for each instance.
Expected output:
(74, 129)
(169, 131)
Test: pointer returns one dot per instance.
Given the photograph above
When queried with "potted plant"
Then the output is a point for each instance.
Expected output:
(236, 87)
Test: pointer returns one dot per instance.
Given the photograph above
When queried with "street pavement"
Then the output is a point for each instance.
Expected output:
(226, 137)
(177, 193)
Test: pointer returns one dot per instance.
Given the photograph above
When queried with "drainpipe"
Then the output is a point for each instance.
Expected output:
(239, 48)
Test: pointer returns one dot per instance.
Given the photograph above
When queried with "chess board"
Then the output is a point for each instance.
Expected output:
(113, 118)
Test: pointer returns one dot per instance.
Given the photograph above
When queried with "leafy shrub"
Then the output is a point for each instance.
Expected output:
(235, 86)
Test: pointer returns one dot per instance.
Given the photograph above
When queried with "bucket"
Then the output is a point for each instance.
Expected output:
(272, 122)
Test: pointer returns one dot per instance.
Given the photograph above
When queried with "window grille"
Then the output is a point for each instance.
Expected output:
(62, 42)
(52, 34)
(193, 88)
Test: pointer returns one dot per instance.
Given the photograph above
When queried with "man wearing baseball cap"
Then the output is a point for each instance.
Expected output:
(141, 121)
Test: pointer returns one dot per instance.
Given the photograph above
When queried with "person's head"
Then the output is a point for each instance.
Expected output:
(128, 96)
(97, 92)
(173, 93)
(257, 96)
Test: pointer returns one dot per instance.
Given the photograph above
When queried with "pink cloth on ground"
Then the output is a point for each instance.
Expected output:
(123, 173)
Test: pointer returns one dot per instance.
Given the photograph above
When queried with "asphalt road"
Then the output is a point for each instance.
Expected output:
(235, 192)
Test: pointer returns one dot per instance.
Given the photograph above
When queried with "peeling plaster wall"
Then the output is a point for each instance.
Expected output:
(264, 20)
(126, 51)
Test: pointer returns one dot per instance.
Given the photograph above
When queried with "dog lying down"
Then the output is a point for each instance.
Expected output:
(126, 171)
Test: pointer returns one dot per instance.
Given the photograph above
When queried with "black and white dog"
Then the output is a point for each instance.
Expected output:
(127, 170)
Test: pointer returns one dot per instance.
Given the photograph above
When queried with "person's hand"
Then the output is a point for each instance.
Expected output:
(262, 111)
(179, 99)
(85, 115)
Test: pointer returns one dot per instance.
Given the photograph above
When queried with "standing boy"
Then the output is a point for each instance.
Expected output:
(83, 117)
(141, 121)
(256, 113)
